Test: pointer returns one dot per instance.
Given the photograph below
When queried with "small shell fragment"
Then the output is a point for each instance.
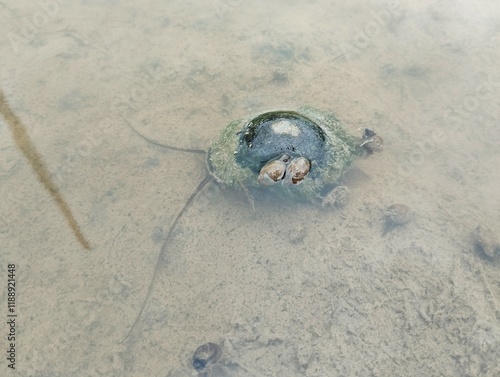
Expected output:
(372, 142)
(485, 240)
(272, 172)
(338, 197)
(297, 170)
(206, 355)
(396, 215)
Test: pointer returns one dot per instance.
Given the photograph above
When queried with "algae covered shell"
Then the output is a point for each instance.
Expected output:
(396, 215)
(317, 149)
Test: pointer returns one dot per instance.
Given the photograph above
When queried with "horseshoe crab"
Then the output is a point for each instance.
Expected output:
(297, 155)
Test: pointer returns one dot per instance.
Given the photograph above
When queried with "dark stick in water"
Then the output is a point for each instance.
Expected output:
(35, 159)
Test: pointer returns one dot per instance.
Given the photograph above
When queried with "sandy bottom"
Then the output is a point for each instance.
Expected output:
(286, 289)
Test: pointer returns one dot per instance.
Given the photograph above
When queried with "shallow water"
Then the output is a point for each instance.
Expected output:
(284, 289)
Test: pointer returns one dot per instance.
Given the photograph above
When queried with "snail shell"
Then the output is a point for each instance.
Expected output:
(297, 170)
(206, 355)
(396, 215)
(338, 197)
(485, 240)
(274, 171)
(372, 142)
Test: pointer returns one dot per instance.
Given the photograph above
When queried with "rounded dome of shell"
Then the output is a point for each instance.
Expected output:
(245, 146)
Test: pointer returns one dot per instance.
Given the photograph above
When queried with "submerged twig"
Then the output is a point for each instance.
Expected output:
(163, 250)
(208, 178)
(189, 150)
(35, 159)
